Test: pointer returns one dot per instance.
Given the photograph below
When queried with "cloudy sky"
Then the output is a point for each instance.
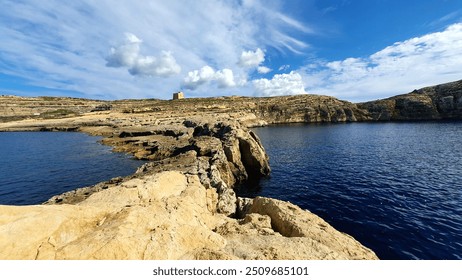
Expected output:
(356, 50)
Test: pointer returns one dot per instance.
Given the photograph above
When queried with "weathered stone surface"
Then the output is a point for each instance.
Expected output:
(168, 215)
(291, 221)
(164, 216)
(309, 109)
(15, 107)
(222, 154)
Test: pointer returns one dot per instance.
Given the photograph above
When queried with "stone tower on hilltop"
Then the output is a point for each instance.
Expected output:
(178, 95)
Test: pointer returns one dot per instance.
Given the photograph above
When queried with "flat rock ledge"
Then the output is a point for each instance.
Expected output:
(179, 205)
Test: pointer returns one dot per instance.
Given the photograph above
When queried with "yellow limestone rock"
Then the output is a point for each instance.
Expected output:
(163, 216)
(169, 215)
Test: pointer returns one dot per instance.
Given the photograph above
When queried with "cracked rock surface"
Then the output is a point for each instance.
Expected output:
(169, 215)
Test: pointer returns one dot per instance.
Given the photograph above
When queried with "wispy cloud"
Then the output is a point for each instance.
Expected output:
(69, 45)
(284, 67)
(453, 16)
(430, 59)
(76, 47)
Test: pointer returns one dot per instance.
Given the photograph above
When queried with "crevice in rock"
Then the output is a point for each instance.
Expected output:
(185, 149)
(125, 134)
(252, 166)
(38, 251)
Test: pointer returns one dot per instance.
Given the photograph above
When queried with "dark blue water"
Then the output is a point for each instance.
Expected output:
(34, 166)
(395, 187)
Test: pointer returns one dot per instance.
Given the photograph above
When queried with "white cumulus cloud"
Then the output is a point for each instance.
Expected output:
(224, 78)
(163, 66)
(280, 84)
(198, 77)
(263, 69)
(252, 58)
(128, 55)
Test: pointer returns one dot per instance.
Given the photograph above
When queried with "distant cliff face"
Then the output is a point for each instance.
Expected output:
(306, 108)
(431, 103)
(269, 110)
(309, 109)
(16, 108)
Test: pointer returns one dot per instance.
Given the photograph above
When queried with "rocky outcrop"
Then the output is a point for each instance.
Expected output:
(168, 215)
(223, 155)
(179, 205)
(431, 103)
(163, 216)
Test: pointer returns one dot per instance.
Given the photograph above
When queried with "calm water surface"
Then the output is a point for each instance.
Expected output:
(34, 166)
(395, 187)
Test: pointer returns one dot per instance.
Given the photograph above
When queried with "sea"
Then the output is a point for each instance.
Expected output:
(395, 187)
(34, 166)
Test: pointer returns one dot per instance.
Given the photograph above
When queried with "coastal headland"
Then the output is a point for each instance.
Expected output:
(182, 203)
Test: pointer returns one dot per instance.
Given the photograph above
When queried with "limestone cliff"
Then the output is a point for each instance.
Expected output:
(431, 103)
(16, 108)
(308, 109)
(257, 111)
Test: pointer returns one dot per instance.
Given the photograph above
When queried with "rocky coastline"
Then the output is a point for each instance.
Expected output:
(439, 102)
(182, 204)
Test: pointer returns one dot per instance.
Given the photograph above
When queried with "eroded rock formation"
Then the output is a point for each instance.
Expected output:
(222, 154)
(431, 103)
(179, 205)
(169, 215)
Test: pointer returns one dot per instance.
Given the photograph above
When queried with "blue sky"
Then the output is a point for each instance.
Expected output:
(355, 50)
